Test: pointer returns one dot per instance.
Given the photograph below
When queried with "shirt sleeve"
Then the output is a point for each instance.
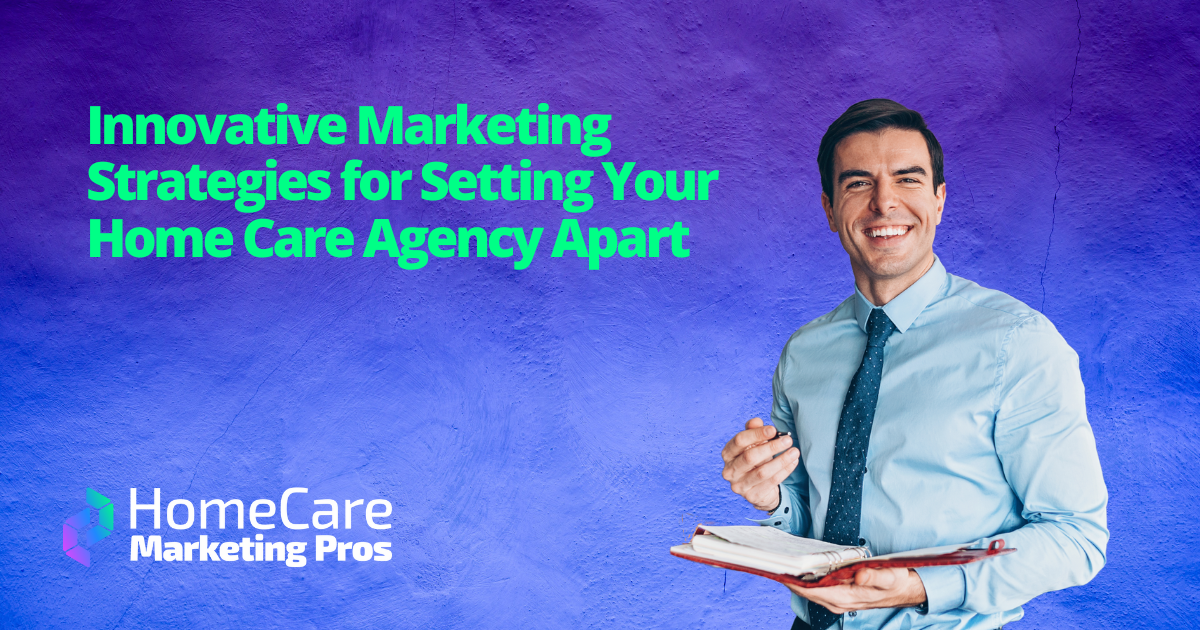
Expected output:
(792, 514)
(945, 588)
(1048, 455)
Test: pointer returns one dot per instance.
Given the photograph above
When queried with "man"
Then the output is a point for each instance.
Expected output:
(925, 409)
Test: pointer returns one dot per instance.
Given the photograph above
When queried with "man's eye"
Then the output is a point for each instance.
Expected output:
(909, 180)
(858, 184)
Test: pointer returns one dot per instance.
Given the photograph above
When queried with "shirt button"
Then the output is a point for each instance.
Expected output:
(853, 613)
(862, 542)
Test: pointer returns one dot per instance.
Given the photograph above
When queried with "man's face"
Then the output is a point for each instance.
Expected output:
(884, 207)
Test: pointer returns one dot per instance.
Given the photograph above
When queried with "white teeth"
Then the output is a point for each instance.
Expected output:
(888, 231)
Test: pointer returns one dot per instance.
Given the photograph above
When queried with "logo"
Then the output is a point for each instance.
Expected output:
(95, 523)
(79, 533)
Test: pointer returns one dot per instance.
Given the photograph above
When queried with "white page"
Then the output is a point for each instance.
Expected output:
(921, 553)
(719, 549)
(762, 565)
(773, 540)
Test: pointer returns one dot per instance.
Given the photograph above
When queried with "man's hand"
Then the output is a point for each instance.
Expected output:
(750, 469)
(872, 588)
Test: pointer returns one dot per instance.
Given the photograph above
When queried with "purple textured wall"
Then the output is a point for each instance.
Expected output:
(546, 434)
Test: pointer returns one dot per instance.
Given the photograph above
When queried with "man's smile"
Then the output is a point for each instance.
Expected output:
(887, 232)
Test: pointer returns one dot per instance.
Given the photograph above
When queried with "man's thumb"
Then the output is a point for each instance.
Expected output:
(873, 578)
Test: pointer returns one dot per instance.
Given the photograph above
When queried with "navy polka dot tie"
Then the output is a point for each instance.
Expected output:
(850, 451)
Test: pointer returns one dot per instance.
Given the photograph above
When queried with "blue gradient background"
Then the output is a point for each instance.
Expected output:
(545, 435)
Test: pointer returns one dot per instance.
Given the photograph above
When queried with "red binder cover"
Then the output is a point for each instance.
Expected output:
(845, 574)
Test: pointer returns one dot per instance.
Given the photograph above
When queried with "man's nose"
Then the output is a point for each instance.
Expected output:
(885, 199)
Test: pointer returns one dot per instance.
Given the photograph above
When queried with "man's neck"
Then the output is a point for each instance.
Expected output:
(880, 291)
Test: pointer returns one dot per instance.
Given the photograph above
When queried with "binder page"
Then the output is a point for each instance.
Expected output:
(775, 541)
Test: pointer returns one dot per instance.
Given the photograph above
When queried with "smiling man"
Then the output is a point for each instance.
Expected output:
(926, 411)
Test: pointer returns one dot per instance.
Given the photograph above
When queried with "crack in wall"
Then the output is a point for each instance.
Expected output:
(142, 585)
(136, 597)
(196, 468)
(1058, 149)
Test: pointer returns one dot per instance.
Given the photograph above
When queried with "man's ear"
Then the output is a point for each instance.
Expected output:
(829, 212)
(940, 195)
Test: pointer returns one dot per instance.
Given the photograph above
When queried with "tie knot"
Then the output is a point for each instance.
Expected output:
(879, 328)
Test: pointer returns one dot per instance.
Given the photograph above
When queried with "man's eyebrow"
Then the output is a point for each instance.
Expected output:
(844, 175)
(910, 171)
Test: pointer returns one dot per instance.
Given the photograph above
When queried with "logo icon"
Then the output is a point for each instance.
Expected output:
(79, 532)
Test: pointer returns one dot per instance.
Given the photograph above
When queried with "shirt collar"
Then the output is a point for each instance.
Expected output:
(904, 308)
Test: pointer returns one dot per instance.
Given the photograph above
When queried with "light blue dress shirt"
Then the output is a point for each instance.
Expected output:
(980, 432)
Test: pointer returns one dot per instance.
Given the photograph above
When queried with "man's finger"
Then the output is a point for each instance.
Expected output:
(754, 423)
(753, 435)
(768, 475)
(831, 597)
(788, 462)
(746, 439)
(755, 456)
(775, 470)
(749, 461)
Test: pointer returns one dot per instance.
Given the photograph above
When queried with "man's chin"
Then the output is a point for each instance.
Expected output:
(894, 267)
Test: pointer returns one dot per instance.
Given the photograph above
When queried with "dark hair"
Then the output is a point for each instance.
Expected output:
(875, 114)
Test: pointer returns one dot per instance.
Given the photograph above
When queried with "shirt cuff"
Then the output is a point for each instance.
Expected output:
(781, 516)
(945, 587)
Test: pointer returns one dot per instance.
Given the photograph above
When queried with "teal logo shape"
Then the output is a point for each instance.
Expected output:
(79, 533)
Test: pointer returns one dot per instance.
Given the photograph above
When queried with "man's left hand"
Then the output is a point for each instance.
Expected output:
(872, 588)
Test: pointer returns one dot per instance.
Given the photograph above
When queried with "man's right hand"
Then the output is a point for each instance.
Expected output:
(751, 467)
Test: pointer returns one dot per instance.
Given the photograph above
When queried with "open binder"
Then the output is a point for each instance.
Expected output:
(804, 562)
